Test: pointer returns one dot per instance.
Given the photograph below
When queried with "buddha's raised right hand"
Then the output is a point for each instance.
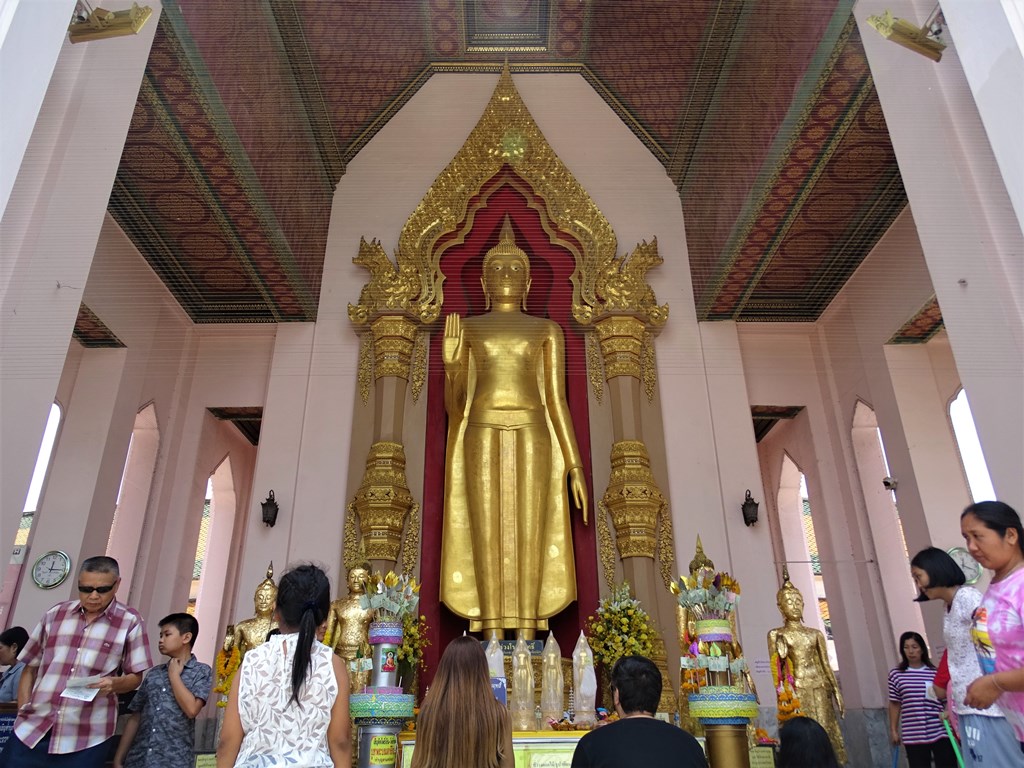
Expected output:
(451, 345)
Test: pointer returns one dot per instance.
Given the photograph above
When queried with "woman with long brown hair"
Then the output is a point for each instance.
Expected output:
(461, 724)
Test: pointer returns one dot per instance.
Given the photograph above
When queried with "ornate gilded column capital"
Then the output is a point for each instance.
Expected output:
(381, 505)
(394, 337)
(622, 341)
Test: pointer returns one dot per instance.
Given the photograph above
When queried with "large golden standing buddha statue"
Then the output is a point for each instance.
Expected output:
(803, 651)
(506, 553)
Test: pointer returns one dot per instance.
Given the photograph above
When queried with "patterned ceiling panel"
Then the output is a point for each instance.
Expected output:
(247, 419)
(524, 30)
(922, 326)
(650, 54)
(251, 94)
(92, 332)
(776, 53)
(186, 195)
(828, 197)
(363, 55)
(763, 113)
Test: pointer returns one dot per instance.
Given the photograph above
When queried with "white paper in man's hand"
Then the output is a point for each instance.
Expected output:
(78, 688)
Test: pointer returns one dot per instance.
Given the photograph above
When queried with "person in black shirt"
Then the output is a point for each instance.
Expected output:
(637, 739)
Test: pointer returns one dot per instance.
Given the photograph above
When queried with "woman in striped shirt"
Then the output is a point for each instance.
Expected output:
(915, 720)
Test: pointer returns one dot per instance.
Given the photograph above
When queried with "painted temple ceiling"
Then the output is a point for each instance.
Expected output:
(763, 113)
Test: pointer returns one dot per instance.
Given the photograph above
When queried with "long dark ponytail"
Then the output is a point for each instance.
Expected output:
(303, 600)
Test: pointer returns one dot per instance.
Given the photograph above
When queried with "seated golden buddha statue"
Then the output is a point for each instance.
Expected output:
(348, 625)
(802, 651)
(511, 448)
(253, 631)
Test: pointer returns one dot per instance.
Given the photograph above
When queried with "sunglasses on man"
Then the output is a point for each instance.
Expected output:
(90, 590)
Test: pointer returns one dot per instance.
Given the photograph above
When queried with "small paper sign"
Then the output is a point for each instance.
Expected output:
(383, 751)
(762, 757)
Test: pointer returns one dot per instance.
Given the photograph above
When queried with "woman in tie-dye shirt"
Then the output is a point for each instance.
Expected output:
(995, 538)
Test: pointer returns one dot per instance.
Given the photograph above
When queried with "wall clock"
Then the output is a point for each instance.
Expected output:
(970, 566)
(51, 569)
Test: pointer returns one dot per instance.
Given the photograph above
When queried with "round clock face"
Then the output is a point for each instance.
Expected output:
(970, 566)
(51, 569)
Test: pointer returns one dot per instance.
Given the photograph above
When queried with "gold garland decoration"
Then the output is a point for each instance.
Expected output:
(664, 547)
(595, 365)
(227, 664)
(365, 374)
(411, 541)
(419, 364)
(606, 545)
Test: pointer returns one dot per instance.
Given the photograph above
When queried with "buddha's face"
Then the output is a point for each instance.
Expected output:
(791, 603)
(265, 597)
(506, 278)
(357, 580)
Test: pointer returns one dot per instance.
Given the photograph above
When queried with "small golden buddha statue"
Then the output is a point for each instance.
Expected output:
(348, 625)
(511, 447)
(803, 651)
(252, 632)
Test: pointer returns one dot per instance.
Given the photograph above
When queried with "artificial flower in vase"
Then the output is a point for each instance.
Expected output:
(391, 598)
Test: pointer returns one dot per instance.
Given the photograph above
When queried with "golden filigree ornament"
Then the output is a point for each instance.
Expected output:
(513, 147)
(365, 370)
(595, 366)
(648, 366)
(419, 364)
(392, 289)
(665, 555)
(606, 546)
(622, 286)
(505, 136)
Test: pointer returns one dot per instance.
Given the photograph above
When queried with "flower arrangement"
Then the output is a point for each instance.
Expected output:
(390, 597)
(414, 640)
(785, 688)
(708, 595)
(227, 664)
(620, 627)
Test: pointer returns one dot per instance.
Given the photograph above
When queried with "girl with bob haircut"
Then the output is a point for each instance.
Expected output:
(461, 724)
(288, 702)
(995, 539)
(984, 730)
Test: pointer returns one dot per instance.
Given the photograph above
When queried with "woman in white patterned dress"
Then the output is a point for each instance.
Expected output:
(285, 707)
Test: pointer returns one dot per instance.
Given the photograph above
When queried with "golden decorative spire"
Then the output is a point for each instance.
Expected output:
(787, 585)
(700, 560)
(507, 244)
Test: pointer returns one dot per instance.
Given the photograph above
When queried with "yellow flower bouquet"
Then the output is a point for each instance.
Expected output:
(414, 640)
(620, 627)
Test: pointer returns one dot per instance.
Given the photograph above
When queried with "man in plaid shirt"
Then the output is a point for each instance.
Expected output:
(96, 638)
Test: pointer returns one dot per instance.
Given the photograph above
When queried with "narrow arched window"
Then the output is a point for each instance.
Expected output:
(969, 446)
(39, 474)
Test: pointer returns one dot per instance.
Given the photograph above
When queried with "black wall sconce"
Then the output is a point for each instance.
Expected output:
(749, 509)
(270, 510)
